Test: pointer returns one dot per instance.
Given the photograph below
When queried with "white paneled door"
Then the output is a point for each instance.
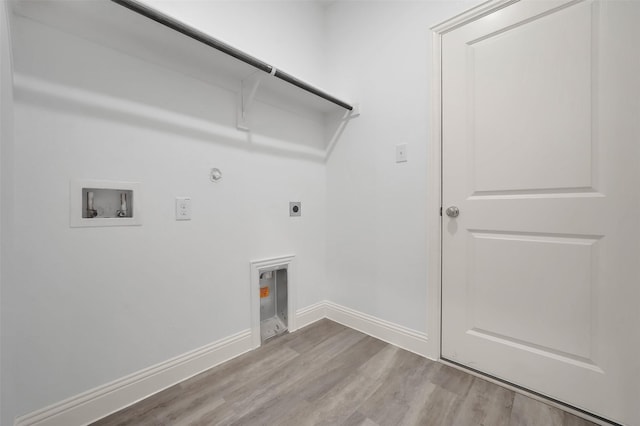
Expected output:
(541, 156)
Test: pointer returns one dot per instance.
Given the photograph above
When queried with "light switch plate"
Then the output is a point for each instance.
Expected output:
(401, 153)
(183, 208)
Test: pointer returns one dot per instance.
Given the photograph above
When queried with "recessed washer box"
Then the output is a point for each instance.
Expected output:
(104, 203)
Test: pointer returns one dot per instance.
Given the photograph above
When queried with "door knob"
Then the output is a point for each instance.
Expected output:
(453, 211)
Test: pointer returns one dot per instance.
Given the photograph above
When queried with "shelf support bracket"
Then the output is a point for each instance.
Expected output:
(248, 89)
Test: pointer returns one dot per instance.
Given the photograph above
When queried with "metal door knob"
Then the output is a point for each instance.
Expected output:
(453, 211)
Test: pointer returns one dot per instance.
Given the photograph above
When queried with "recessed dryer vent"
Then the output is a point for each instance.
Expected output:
(273, 310)
(274, 313)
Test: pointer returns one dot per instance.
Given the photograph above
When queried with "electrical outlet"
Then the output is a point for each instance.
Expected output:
(295, 208)
(401, 153)
(183, 208)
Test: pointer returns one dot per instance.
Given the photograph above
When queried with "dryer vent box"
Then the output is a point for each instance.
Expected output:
(274, 301)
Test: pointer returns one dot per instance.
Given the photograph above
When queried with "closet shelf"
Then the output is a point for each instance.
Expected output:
(145, 32)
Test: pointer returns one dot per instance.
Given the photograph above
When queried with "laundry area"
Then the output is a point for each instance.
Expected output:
(319, 212)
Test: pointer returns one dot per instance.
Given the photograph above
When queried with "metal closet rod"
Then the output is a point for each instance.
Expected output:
(193, 33)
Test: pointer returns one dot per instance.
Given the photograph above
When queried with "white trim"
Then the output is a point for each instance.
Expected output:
(258, 266)
(434, 168)
(403, 337)
(310, 314)
(471, 15)
(99, 402)
(434, 203)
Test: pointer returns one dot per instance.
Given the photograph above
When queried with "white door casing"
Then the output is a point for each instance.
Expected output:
(541, 154)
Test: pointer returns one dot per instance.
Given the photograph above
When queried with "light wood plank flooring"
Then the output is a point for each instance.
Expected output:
(328, 374)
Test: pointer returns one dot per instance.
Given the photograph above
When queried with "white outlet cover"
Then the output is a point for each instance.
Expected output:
(401, 153)
(183, 208)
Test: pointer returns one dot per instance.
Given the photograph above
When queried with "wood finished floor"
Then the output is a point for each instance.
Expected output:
(329, 374)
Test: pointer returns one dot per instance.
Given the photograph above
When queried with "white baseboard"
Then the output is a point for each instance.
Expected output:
(311, 314)
(403, 337)
(389, 332)
(106, 399)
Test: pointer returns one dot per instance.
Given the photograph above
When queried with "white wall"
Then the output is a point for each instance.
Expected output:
(96, 304)
(288, 34)
(379, 53)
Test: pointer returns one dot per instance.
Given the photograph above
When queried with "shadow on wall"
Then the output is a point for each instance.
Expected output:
(81, 102)
(61, 71)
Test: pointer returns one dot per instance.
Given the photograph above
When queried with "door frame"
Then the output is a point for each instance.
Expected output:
(434, 171)
(434, 210)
